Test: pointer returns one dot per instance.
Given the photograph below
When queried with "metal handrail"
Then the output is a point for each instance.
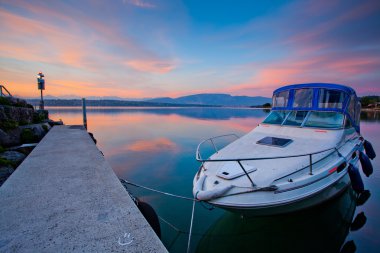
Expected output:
(262, 158)
(1, 91)
(239, 160)
(199, 158)
(198, 155)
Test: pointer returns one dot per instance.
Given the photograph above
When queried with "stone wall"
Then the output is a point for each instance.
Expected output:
(18, 114)
(21, 127)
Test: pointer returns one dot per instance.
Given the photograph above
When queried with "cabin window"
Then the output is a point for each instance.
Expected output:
(281, 99)
(347, 123)
(275, 117)
(324, 120)
(351, 106)
(357, 113)
(295, 118)
(331, 99)
(303, 98)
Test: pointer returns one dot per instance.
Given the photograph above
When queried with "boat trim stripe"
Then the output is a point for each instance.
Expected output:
(307, 184)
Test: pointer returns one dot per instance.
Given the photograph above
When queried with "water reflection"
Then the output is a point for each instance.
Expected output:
(321, 229)
(370, 115)
(214, 113)
(155, 147)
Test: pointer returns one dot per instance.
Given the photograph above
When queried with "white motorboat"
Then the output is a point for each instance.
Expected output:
(305, 152)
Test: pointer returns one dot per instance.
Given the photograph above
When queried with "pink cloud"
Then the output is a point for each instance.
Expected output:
(329, 68)
(153, 145)
(356, 66)
(151, 66)
(82, 49)
(46, 42)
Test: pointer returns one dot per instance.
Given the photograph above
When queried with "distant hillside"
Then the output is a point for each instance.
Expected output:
(89, 102)
(192, 100)
(73, 97)
(369, 101)
(214, 99)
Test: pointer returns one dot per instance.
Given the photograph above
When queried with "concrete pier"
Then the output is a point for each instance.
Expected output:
(65, 197)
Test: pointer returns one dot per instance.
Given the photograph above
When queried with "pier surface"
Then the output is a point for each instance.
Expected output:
(65, 197)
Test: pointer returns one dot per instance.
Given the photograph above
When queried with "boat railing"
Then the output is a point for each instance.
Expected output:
(211, 140)
(240, 160)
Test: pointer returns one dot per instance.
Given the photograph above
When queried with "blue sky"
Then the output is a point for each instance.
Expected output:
(147, 48)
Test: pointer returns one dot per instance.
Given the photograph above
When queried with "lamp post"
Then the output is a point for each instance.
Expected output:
(41, 87)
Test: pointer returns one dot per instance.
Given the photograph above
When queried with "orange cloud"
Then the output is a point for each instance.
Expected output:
(28, 39)
(75, 50)
(85, 89)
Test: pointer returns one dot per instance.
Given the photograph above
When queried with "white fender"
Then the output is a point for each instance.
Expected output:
(216, 192)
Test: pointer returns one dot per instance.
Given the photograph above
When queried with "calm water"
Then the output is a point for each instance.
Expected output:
(156, 147)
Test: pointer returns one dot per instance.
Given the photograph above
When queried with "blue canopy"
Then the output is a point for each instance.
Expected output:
(332, 86)
(319, 97)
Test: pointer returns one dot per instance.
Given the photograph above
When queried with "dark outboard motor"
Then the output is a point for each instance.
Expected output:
(366, 164)
(356, 179)
(369, 150)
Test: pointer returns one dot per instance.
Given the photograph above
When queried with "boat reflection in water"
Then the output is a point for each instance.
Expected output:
(323, 228)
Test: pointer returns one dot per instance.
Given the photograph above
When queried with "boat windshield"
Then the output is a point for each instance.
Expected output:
(324, 120)
(276, 117)
(295, 118)
(327, 120)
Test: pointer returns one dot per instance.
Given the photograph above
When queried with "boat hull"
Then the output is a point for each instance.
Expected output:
(313, 199)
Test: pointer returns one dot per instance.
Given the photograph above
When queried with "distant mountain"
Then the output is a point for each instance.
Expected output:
(214, 99)
(78, 102)
(191, 100)
(69, 97)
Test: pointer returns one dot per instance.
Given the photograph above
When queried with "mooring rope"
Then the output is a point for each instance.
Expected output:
(161, 192)
(171, 225)
(191, 227)
(191, 199)
(176, 196)
(179, 231)
(186, 198)
(267, 188)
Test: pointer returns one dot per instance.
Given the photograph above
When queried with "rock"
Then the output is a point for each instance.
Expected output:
(55, 123)
(40, 116)
(17, 102)
(46, 126)
(38, 131)
(24, 148)
(22, 115)
(13, 156)
(10, 138)
(44, 114)
(5, 172)
(3, 116)
(4, 138)
(23, 134)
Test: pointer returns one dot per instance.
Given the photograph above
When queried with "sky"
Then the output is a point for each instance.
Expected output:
(159, 48)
